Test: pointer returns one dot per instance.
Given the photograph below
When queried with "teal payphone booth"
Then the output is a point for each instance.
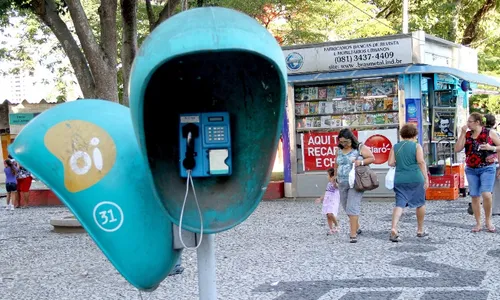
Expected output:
(218, 60)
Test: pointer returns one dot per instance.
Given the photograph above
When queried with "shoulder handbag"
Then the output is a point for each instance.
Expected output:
(366, 179)
(389, 177)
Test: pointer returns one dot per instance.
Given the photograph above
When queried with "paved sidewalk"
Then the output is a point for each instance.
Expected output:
(281, 252)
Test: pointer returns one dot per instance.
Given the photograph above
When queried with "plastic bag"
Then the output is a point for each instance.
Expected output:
(389, 178)
(352, 176)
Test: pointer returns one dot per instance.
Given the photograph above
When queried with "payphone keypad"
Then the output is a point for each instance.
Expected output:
(216, 134)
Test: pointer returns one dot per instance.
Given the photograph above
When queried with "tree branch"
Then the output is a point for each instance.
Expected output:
(107, 15)
(167, 11)
(92, 51)
(472, 30)
(50, 17)
(129, 45)
(151, 16)
(389, 9)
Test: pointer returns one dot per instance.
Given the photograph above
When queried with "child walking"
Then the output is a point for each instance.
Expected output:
(10, 183)
(331, 201)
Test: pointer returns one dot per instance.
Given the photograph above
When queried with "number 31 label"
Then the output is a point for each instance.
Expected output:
(108, 216)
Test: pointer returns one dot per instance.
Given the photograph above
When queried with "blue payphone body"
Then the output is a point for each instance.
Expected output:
(205, 144)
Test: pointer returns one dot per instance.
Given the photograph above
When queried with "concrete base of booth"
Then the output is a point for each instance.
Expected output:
(275, 190)
(43, 198)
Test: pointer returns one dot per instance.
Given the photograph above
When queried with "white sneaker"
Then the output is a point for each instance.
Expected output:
(7, 207)
(12, 207)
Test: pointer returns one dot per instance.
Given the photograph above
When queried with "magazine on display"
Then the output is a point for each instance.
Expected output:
(443, 123)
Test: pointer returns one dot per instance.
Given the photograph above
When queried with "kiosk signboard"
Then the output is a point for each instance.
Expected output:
(349, 56)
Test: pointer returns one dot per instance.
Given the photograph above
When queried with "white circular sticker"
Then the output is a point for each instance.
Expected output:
(108, 216)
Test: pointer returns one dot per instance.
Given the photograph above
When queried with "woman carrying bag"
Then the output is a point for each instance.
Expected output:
(350, 155)
(410, 180)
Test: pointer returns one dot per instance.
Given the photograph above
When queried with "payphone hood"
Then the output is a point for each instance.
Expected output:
(204, 60)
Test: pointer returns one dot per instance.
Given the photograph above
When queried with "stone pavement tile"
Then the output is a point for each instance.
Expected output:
(386, 295)
(280, 252)
(456, 295)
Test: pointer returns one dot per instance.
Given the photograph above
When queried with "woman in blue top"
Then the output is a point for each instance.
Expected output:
(10, 183)
(351, 151)
(411, 179)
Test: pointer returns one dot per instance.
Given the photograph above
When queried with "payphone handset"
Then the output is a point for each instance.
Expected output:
(205, 144)
(205, 150)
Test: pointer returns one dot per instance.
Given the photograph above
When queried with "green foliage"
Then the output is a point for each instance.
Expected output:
(485, 104)
(324, 20)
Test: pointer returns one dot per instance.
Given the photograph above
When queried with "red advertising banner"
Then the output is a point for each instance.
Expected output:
(319, 150)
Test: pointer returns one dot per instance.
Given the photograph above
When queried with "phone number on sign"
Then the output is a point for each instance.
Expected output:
(364, 57)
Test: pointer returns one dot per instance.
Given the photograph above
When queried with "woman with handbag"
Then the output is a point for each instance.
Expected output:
(350, 152)
(410, 179)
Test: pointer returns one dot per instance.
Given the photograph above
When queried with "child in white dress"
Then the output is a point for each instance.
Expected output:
(331, 201)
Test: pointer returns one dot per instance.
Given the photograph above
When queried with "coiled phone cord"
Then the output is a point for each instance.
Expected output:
(188, 182)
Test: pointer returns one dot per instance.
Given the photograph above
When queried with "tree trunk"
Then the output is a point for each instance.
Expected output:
(129, 43)
(101, 59)
(106, 79)
(167, 11)
(472, 30)
(184, 5)
(95, 65)
(151, 16)
(47, 13)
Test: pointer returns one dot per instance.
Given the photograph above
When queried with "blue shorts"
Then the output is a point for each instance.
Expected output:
(480, 180)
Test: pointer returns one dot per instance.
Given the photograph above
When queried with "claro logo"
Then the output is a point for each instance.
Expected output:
(380, 147)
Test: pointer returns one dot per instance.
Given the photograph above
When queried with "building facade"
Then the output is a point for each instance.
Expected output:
(13, 117)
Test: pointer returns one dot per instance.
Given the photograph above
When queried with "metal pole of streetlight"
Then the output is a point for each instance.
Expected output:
(207, 286)
(405, 16)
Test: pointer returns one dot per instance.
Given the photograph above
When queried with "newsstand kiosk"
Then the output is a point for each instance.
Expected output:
(374, 86)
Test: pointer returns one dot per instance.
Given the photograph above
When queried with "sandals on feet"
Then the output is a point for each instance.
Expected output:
(359, 231)
(422, 234)
(394, 236)
(353, 239)
(333, 231)
(476, 229)
(491, 229)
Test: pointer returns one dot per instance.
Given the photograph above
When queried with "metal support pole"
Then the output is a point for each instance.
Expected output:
(405, 16)
(207, 285)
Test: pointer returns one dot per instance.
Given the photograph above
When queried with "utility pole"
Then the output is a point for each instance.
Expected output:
(405, 16)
